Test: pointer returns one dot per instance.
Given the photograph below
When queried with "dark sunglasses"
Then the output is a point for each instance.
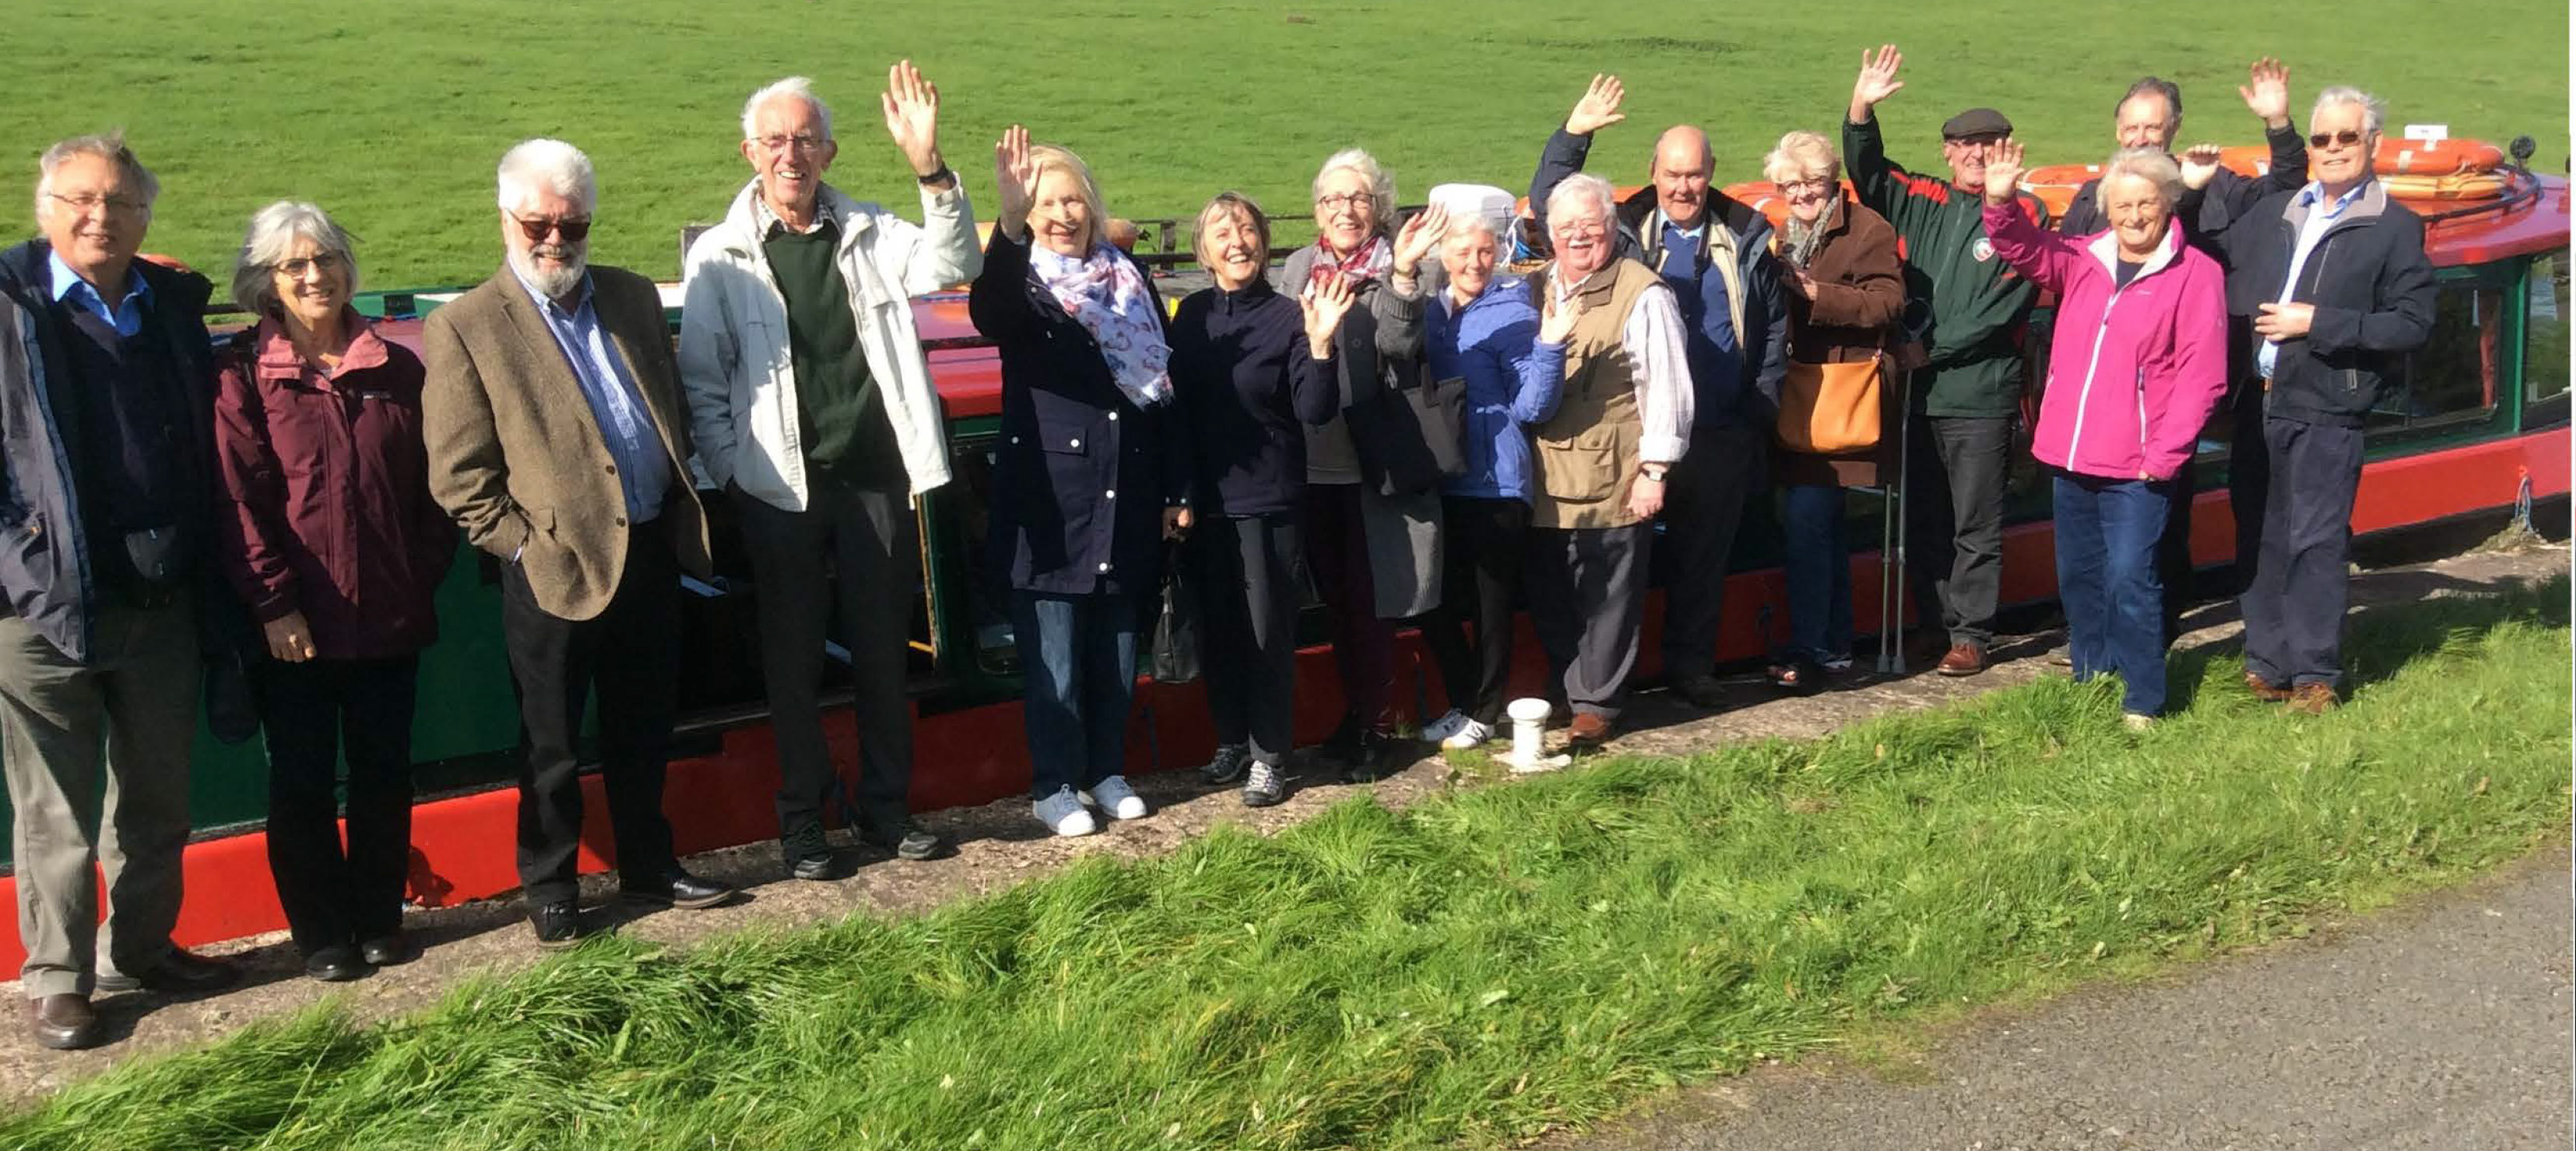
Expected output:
(574, 230)
(2343, 139)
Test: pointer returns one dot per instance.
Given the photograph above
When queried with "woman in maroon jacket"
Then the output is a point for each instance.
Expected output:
(338, 549)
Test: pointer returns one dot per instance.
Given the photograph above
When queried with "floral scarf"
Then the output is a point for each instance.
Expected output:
(1105, 293)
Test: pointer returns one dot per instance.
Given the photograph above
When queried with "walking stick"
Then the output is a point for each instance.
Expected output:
(1891, 530)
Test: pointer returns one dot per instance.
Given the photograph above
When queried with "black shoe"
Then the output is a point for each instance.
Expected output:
(389, 949)
(807, 855)
(1375, 760)
(1228, 765)
(64, 1022)
(900, 836)
(558, 925)
(820, 866)
(1701, 691)
(178, 973)
(680, 889)
(338, 963)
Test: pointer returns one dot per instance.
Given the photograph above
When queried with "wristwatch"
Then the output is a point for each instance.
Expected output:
(1654, 472)
(943, 173)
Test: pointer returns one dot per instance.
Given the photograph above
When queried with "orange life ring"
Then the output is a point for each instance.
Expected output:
(2435, 157)
(2056, 184)
(2457, 186)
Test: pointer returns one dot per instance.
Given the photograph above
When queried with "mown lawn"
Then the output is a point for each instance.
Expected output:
(392, 116)
(1478, 967)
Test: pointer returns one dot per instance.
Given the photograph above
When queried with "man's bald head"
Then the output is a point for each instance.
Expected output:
(1683, 162)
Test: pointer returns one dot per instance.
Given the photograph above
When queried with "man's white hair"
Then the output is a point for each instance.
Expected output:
(109, 146)
(2372, 111)
(797, 86)
(1582, 186)
(1380, 181)
(552, 165)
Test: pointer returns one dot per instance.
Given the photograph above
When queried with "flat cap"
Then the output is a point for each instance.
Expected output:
(1976, 122)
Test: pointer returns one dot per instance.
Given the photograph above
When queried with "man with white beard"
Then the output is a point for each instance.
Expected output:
(558, 442)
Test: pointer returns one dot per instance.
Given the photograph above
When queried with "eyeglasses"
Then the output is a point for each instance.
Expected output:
(801, 142)
(325, 263)
(1810, 184)
(2343, 139)
(1357, 201)
(86, 202)
(574, 230)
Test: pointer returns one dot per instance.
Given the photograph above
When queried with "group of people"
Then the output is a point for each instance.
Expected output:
(1429, 439)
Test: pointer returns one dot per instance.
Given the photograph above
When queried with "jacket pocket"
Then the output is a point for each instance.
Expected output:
(1580, 469)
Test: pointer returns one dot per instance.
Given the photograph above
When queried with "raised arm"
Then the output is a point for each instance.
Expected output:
(998, 301)
(1864, 151)
(1567, 146)
(942, 250)
(2045, 258)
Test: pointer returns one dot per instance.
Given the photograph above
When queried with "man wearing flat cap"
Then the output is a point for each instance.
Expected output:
(1966, 308)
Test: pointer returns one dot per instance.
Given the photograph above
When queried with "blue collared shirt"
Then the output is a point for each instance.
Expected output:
(71, 289)
(643, 467)
(2310, 232)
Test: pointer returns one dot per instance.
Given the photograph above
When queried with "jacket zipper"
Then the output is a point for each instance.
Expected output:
(2084, 395)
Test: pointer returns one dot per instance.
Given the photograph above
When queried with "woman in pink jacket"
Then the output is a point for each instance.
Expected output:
(2138, 361)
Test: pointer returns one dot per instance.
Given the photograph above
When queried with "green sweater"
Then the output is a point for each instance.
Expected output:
(846, 436)
(1977, 304)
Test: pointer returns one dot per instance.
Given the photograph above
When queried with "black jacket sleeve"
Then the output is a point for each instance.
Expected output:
(1563, 157)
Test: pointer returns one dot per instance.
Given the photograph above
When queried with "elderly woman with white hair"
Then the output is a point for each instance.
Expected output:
(2138, 361)
(1846, 291)
(335, 544)
(1622, 420)
(1372, 481)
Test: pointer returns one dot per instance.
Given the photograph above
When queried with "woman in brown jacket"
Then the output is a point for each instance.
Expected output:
(1846, 291)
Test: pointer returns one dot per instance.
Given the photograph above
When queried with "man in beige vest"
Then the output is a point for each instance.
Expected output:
(1624, 418)
(557, 440)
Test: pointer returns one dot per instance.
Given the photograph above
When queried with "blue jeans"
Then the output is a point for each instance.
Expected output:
(1078, 661)
(1818, 566)
(2106, 576)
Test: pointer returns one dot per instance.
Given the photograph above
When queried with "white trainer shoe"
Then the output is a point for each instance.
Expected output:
(1064, 814)
(1470, 734)
(1439, 730)
(1112, 795)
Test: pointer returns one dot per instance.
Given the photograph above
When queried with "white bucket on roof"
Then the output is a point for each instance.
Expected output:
(1484, 200)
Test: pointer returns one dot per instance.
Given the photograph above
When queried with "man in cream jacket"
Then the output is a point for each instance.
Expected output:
(811, 404)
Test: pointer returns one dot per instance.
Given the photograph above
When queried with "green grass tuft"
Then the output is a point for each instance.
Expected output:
(1478, 967)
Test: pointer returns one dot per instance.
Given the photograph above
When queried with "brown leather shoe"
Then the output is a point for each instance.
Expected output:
(64, 1022)
(1964, 659)
(1587, 730)
(2264, 689)
(2313, 698)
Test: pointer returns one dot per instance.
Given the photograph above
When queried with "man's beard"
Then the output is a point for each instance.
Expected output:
(554, 280)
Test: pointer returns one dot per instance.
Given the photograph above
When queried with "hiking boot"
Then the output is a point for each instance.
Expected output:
(900, 835)
(1264, 787)
(1231, 758)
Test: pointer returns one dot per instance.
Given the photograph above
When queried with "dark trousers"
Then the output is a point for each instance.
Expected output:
(1363, 645)
(2249, 479)
(1817, 563)
(2106, 576)
(1954, 495)
(1078, 653)
(629, 654)
(313, 714)
(1248, 601)
(1588, 600)
(2294, 610)
(1488, 550)
(1703, 504)
(854, 552)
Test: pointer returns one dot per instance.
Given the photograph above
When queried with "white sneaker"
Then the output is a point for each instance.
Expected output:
(1470, 734)
(1112, 795)
(2136, 722)
(1439, 730)
(1064, 814)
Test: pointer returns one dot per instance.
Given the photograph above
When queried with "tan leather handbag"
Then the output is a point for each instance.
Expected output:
(1829, 409)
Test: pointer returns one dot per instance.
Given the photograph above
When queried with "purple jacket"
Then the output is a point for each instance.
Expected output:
(329, 486)
(2133, 371)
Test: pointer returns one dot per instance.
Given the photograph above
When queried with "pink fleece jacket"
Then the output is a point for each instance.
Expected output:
(2133, 372)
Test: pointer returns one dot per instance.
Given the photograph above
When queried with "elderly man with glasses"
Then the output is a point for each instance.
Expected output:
(106, 402)
(2335, 280)
(1967, 308)
(812, 405)
(557, 441)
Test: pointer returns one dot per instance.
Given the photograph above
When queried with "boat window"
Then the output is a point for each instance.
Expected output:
(2544, 354)
(2452, 382)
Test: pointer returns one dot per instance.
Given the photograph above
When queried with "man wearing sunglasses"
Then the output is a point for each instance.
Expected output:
(1967, 309)
(812, 406)
(2337, 287)
(557, 441)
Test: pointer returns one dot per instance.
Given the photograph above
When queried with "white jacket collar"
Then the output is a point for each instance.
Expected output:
(2105, 250)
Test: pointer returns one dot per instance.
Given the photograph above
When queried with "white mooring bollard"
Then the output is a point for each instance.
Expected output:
(1529, 728)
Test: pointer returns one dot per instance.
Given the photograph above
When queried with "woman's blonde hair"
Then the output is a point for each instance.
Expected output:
(1229, 204)
(1798, 155)
(1045, 158)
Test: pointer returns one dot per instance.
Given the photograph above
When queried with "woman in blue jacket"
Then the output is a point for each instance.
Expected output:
(1090, 474)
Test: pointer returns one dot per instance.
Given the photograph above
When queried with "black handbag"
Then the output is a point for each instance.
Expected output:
(1439, 410)
(1176, 627)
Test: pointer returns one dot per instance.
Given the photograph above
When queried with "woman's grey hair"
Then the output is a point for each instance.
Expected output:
(2372, 111)
(797, 86)
(2152, 165)
(1471, 224)
(109, 146)
(553, 165)
(1799, 153)
(1380, 181)
(1582, 186)
(272, 234)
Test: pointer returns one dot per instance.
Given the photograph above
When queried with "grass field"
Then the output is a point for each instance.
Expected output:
(392, 116)
(1480, 966)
